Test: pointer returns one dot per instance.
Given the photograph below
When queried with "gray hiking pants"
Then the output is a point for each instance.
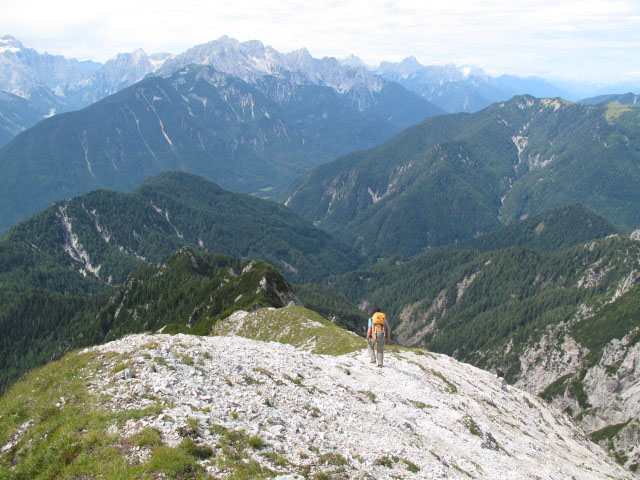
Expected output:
(377, 347)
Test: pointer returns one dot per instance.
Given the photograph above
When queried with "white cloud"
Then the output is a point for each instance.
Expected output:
(526, 36)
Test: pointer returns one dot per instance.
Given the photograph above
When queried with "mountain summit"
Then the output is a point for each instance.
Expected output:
(232, 406)
(11, 44)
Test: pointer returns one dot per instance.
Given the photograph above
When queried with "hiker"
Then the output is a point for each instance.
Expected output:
(378, 330)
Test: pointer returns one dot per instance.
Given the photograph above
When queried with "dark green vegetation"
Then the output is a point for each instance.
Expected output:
(471, 304)
(197, 120)
(105, 235)
(187, 294)
(455, 177)
(614, 320)
(331, 304)
(52, 261)
(553, 230)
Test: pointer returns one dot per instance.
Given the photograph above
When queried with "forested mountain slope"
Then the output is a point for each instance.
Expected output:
(199, 120)
(52, 262)
(553, 230)
(454, 177)
(104, 235)
(189, 292)
(563, 323)
(16, 114)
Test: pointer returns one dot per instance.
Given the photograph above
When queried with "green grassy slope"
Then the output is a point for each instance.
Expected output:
(296, 326)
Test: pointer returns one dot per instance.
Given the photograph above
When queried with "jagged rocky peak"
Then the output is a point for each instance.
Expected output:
(252, 60)
(127, 60)
(353, 62)
(405, 67)
(433, 73)
(117, 73)
(224, 405)
(11, 44)
(302, 61)
(244, 60)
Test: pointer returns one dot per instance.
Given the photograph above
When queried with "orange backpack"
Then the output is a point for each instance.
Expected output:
(378, 322)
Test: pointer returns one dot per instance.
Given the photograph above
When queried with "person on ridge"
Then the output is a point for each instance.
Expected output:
(378, 330)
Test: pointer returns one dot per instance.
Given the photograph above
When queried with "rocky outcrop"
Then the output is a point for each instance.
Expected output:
(235, 404)
(603, 398)
(446, 419)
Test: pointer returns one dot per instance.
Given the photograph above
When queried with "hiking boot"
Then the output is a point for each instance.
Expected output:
(372, 361)
(380, 366)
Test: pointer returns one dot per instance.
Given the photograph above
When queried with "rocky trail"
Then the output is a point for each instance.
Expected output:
(422, 416)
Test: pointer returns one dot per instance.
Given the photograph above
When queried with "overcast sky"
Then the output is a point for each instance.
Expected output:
(582, 39)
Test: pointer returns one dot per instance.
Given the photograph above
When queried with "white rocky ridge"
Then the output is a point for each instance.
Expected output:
(422, 416)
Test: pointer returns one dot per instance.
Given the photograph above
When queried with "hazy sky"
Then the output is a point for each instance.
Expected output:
(582, 39)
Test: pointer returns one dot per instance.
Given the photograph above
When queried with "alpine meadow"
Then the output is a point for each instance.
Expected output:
(193, 245)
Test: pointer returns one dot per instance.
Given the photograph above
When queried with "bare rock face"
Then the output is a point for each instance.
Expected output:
(555, 355)
(603, 398)
(252, 60)
(435, 417)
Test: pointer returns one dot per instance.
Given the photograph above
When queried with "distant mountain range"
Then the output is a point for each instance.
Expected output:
(454, 177)
(293, 112)
(464, 89)
(198, 120)
(16, 115)
(53, 84)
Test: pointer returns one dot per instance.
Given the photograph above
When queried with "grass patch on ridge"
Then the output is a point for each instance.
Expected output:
(295, 326)
(72, 440)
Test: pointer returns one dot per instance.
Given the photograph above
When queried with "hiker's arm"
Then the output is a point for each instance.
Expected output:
(368, 333)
